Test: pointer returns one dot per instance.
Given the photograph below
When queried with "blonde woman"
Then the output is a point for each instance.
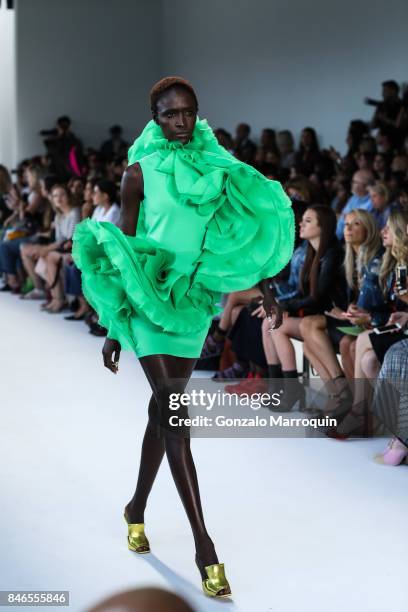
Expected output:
(371, 348)
(322, 339)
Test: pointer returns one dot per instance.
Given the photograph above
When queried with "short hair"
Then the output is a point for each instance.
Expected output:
(64, 120)
(109, 187)
(392, 84)
(164, 85)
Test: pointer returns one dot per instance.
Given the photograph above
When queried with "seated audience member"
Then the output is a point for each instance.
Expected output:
(286, 146)
(104, 200)
(50, 256)
(403, 197)
(308, 154)
(322, 338)
(321, 283)
(365, 161)
(381, 168)
(390, 403)
(386, 143)
(25, 221)
(104, 196)
(5, 188)
(30, 250)
(87, 207)
(371, 348)
(224, 139)
(76, 186)
(244, 148)
(300, 188)
(115, 146)
(341, 188)
(360, 198)
(380, 203)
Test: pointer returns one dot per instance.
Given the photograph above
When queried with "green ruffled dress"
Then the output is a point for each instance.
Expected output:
(208, 224)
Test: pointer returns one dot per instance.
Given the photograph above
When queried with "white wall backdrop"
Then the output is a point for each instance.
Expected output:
(7, 87)
(276, 63)
(287, 63)
(93, 60)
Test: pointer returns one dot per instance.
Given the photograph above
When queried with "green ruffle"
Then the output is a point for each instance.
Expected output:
(123, 274)
(252, 231)
(250, 236)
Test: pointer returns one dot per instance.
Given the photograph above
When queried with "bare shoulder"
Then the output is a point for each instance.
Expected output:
(133, 177)
(134, 170)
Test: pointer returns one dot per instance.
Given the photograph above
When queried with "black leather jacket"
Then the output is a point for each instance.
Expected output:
(331, 286)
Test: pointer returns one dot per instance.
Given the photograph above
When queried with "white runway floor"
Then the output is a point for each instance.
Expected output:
(312, 525)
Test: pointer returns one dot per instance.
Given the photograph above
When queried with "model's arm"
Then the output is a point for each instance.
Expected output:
(131, 194)
(270, 305)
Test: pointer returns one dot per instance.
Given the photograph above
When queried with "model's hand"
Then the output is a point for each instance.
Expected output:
(111, 353)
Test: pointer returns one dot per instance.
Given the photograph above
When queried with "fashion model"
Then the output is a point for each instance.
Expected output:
(195, 222)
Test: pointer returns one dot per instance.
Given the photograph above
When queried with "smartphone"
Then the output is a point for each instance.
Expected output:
(384, 329)
(401, 279)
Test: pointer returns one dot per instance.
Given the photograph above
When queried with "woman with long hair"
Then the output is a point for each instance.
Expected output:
(371, 348)
(321, 282)
(322, 338)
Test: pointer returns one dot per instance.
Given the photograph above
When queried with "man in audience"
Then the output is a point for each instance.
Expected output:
(244, 148)
(386, 111)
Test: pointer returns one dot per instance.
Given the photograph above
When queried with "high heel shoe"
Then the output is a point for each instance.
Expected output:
(137, 540)
(395, 454)
(293, 394)
(354, 424)
(215, 581)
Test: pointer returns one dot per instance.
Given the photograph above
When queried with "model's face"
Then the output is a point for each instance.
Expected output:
(309, 226)
(354, 230)
(177, 114)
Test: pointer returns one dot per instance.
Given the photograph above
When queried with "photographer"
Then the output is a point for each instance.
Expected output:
(65, 150)
(387, 111)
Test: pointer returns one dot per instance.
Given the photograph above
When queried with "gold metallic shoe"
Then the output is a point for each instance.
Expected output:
(137, 540)
(216, 581)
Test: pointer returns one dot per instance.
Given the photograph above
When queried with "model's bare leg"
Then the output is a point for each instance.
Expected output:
(151, 457)
(169, 374)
